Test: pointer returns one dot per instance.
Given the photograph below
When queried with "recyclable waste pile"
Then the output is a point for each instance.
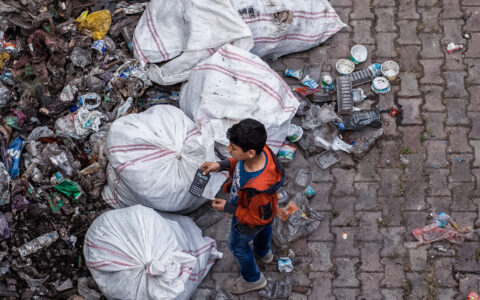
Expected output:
(94, 122)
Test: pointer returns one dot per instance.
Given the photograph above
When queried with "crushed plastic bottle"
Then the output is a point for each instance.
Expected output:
(38, 243)
(303, 178)
(361, 119)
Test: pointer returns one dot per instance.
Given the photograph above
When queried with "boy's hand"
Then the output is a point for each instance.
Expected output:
(210, 166)
(219, 204)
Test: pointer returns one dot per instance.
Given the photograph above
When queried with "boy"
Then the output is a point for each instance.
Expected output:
(255, 176)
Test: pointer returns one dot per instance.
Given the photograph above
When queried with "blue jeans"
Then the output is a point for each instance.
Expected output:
(238, 244)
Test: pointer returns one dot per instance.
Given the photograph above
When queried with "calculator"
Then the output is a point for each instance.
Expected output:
(199, 183)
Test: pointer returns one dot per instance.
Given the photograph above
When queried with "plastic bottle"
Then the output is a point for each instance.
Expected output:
(127, 37)
(38, 243)
(361, 119)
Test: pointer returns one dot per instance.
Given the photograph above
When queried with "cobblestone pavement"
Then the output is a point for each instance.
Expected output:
(440, 97)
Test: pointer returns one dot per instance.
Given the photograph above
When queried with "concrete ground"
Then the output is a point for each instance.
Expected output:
(378, 199)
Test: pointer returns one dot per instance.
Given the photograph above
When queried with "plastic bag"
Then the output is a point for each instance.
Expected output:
(186, 32)
(318, 115)
(4, 185)
(138, 253)
(301, 222)
(4, 57)
(15, 152)
(153, 157)
(4, 229)
(40, 132)
(433, 232)
(70, 188)
(97, 22)
(234, 78)
(277, 288)
(285, 26)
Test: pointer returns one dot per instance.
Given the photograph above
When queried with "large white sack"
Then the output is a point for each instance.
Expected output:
(233, 85)
(153, 157)
(138, 253)
(285, 26)
(184, 33)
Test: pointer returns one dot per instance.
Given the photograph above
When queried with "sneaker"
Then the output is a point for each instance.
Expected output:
(268, 258)
(239, 285)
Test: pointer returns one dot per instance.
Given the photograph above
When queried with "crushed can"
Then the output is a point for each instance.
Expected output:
(309, 192)
(294, 73)
(344, 66)
(380, 85)
(295, 133)
(327, 82)
(452, 47)
(390, 70)
(100, 46)
(286, 153)
(285, 264)
(358, 54)
(376, 69)
(309, 82)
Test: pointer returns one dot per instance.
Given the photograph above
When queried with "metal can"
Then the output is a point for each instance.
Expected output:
(309, 191)
(358, 54)
(344, 66)
(286, 153)
(127, 37)
(327, 82)
(390, 69)
(282, 195)
(294, 73)
(100, 46)
(376, 69)
(380, 85)
(295, 132)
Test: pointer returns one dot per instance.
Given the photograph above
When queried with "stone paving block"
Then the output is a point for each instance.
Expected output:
(389, 3)
(366, 166)
(461, 169)
(389, 182)
(474, 103)
(361, 32)
(323, 232)
(418, 289)
(443, 267)
(370, 257)
(431, 71)
(469, 2)
(321, 175)
(389, 125)
(320, 54)
(394, 274)
(477, 202)
(431, 45)
(344, 14)
(473, 46)
(433, 98)
(413, 219)
(462, 196)
(438, 204)
(345, 246)
(411, 138)
(435, 125)
(429, 22)
(227, 263)
(475, 120)
(408, 33)
(428, 3)
(411, 110)
(476, 173)
(395, 294)
(390, 151)
(473, 68)
(452, 30)
(386, 45)
(322, 286)
(340, 42)
(346, 294)
(385, 19)
(320, 201)
(300, 248)
(344, 207)
(476, 148)
(392, 212)
(387, 100)
(345, 272)
(456, 112)
(369, 226)
(451, 9)
(473, 19)
(455, 84)
(414, 169)
(446, 294)
(409, 85)
(221, 229)
(436, 154)
(438, 182)
(458, 140)
(366, 195)
(301, 280)
(454, 61)
(344, 181)
(468, 283)
(361, 10)
(202, 294)
(370, 286)
(321, 252)
(464, 219)
(407, 10)
(418, 258)
(346, 161)
(415, 195)
(293, 63)
(393, 240)
(408, 64)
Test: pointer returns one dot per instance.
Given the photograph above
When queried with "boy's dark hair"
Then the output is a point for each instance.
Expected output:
(248, 134)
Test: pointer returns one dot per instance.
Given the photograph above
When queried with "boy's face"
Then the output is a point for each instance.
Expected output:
(237, 153)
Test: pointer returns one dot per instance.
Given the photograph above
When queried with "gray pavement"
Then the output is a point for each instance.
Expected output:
(377, 200)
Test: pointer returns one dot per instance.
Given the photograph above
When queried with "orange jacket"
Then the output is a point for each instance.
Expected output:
(257, 199)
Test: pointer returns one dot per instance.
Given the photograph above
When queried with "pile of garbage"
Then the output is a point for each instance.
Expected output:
(93, 118)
